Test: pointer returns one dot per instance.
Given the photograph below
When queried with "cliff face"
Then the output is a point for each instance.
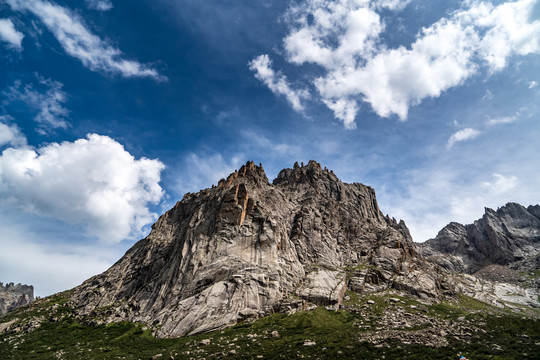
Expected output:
(246, 248)
(14, 295)
(503, 237)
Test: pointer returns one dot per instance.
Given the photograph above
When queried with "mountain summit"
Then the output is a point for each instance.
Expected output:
(247, 247)
(509, 235)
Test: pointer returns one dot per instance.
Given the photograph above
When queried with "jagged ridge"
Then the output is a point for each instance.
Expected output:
(14, 295)
(246, 248)
(501, 237)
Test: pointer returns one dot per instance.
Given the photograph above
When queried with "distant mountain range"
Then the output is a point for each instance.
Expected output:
(509, 236)
(14, 295)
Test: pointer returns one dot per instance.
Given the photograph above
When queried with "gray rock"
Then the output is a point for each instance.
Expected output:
(14, 295)
(508, 235)
(246, 248)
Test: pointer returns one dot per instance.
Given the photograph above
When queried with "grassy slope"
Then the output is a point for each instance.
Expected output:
(335, 334)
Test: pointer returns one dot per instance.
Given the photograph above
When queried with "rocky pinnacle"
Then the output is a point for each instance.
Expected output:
(247, 248)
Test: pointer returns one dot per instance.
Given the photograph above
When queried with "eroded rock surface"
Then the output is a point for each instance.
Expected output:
(14, 295)
(509, 236)
(247, 247)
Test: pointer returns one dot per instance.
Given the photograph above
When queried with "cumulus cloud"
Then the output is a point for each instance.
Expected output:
(533, 84)
(277, 82)
(100, 5)
(510, 28)
(49, 103)
(93, 182)
(10, 35)
(462, 135)
(79, 42)
(10, 135)
(343, 38)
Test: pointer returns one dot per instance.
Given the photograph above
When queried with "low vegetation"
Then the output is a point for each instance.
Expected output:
(369, 327)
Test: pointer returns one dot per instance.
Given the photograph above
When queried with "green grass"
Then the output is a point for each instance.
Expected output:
(336, 335)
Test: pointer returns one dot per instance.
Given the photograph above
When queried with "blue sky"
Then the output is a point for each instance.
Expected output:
(111, 110)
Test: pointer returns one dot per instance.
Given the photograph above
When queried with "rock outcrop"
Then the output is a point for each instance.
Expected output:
(247, 247)
(14, 295)
(508, 236)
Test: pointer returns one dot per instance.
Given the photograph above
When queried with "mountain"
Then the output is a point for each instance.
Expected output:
(248, 248)
(509, 236)
(12, 296)
(303, 267)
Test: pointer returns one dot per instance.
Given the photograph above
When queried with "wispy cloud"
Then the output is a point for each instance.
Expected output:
(343, 39)
(93, 182)
(391, 4)
(277, 82)
(462, 135)
(487, 96)
(501, 184)
(10, 35)
(502, 120)
(79, 42)
(100, 5)
(48, 103)
(442, 193)
(532, 84)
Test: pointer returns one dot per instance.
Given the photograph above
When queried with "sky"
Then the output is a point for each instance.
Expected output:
(110, 111)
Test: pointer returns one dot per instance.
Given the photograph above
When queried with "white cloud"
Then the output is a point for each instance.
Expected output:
(501, 120)
(276, 82)
(510, 28)
(70, 30)
(501, 184)
(10, 135)
(343, 37)
(49, 103)
(93, 182)
(10, 35)
(344, 110)
(533, 84)
(391, 4)
(339, 32)
(100, 5)
(462, 135)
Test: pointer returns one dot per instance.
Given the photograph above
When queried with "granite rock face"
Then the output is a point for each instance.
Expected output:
(508, 236)
(247, 247)
(14, 295)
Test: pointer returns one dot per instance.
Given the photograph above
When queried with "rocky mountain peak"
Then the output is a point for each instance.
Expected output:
(501, 237)
(249, 172)
(246, 248)
(14, 295)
